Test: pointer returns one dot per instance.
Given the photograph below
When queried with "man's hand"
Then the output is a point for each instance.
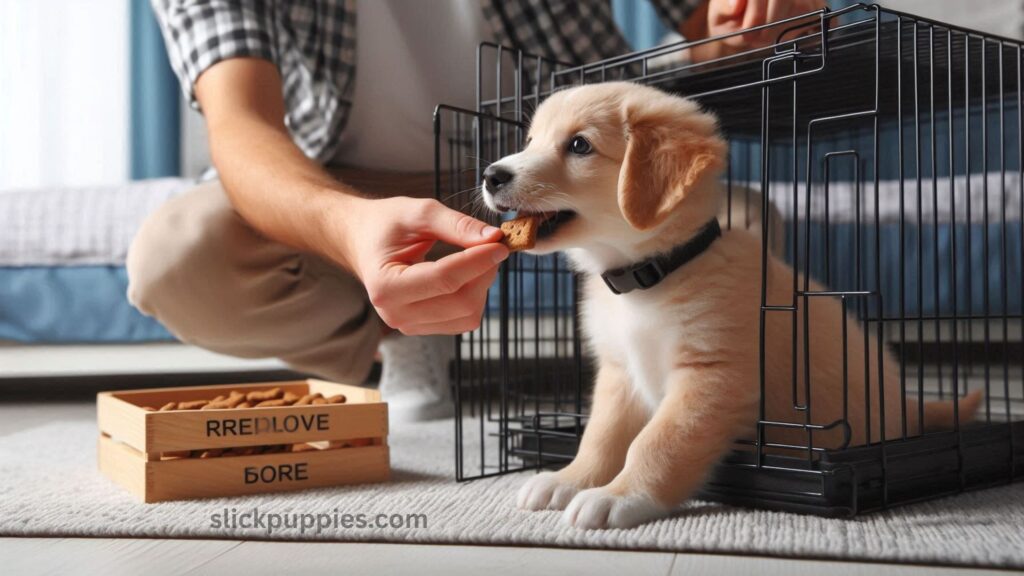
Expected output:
(291, 199)
(387, 245)
(717, 17)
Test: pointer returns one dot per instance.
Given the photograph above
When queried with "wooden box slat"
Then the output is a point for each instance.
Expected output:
(121, 416)
(187, 478)
(132, 440)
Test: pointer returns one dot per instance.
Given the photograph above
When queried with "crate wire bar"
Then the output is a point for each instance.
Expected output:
(891, 147)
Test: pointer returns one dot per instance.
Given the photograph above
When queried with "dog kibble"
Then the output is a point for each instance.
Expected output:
(308, 399)
(275, 397)
(272, 394)
(520, 233)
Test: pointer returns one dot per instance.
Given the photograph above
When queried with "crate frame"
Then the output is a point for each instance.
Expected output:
(896, 52)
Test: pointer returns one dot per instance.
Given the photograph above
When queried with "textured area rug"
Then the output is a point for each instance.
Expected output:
(49, 486)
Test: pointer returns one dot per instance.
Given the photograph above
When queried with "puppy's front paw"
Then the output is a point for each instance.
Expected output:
(604, 508)
(546, 491)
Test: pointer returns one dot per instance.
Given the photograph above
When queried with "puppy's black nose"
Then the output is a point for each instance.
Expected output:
(496, 177)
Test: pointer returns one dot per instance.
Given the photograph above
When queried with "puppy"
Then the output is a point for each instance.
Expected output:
(618, 173)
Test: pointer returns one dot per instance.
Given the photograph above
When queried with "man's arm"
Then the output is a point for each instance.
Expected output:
(291, 199)
(271, 183)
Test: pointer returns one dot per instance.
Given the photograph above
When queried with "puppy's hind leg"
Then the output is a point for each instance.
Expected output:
(615, 419)
(703, 412)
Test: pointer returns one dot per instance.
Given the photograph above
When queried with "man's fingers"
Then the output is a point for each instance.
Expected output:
(468, 301)
(757, 11)
(413, 283)
(451, 327)
(455, 227)
(735, 8)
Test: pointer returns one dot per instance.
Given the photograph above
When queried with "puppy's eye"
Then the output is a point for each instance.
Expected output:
(580, 145)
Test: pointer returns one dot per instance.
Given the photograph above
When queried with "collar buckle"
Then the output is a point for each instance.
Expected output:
(648, 273)
(640, 276)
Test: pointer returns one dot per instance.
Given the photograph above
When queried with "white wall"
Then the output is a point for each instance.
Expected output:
(63, 92)
(195, 149)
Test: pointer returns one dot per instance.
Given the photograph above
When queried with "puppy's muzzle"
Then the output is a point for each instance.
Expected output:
(497, 180)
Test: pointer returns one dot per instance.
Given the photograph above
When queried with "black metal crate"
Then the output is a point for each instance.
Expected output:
(889, 143)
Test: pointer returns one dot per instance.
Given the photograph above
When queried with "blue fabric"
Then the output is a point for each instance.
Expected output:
(638, 22)
(71, 304)
(155, 100)
(970, 272)
(536, 283)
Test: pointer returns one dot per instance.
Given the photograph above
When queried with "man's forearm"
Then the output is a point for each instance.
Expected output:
(278, 190)
(272, 184)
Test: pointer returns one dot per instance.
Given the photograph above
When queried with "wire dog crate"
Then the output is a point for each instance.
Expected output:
(881, 154)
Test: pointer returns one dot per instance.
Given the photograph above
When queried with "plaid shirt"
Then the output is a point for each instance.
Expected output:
(313, 44)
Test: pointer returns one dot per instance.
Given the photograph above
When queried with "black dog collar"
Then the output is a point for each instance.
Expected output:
(648, 273)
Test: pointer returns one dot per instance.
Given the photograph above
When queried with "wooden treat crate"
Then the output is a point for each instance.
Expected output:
(142, 450)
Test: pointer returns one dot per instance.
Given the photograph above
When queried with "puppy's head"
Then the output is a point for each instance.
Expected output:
(610, 164)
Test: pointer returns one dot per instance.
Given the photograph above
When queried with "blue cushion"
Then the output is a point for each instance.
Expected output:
(71, 304)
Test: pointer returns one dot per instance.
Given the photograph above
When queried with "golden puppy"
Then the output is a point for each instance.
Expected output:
(621, 172)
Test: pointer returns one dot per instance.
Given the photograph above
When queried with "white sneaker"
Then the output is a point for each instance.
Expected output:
(414, 377)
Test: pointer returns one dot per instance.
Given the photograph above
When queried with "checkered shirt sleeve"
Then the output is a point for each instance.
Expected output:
(312, 43)
(200, 34)
(571, 31)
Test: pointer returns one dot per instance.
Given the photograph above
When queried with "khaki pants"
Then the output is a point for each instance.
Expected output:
(215, 282)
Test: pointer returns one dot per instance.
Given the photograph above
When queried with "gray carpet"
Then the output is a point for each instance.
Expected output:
(49, 486)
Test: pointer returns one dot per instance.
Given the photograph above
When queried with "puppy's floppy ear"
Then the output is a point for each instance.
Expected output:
(671, 147)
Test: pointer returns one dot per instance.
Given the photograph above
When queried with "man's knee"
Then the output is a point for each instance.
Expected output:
(171, 250)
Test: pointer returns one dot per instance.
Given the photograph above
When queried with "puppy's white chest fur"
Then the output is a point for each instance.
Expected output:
(634, 332)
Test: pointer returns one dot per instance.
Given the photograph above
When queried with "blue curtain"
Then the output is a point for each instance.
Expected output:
(639, 23)
(155, 101)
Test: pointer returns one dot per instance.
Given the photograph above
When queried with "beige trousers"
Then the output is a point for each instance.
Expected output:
(217, 283)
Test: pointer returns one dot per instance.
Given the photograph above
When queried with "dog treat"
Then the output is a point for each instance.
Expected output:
(233, 400)
(275, 397)
(272, 394)
(308, 399)
(520, 233)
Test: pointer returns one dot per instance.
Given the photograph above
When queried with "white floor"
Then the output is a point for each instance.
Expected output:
(19, 361)
(224, 557)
